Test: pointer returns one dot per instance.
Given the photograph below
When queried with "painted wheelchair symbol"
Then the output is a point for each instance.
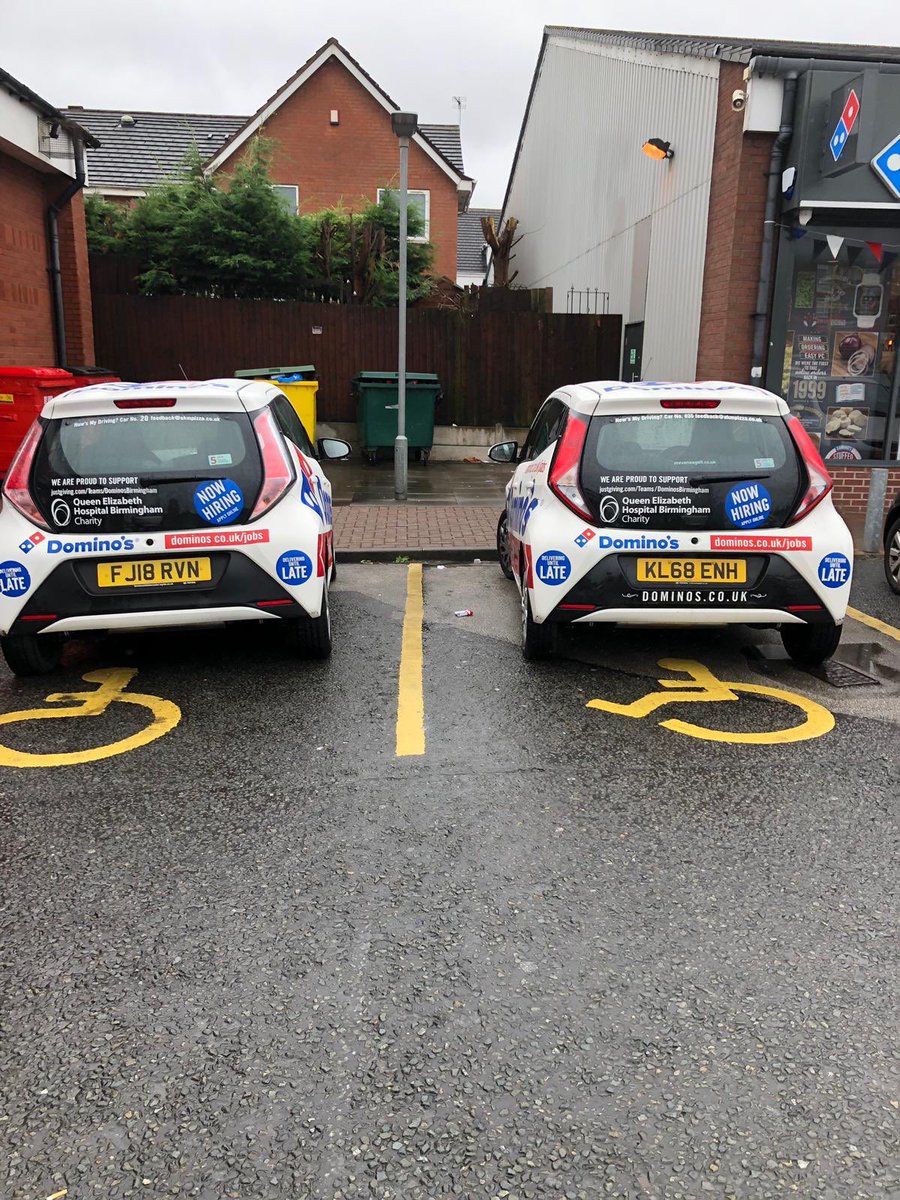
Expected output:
(703, 687)
(113, 681)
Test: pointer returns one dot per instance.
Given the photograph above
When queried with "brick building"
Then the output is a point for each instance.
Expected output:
(45, 292)
(334, 146)
(739, 203)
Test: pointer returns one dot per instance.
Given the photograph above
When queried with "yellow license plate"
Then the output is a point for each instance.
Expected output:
(692, 570)
(153, 571)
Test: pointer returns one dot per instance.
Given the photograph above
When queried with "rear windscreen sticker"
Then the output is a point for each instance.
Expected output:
(84, 501)
(220, 460)
(219, 501)
(640, 499)
(14, 579)
(834, 570)
(553, 567)
(608, 509)
(748, 505)
(294, 567)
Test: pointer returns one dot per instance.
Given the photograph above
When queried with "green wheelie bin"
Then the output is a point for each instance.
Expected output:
(376, 398)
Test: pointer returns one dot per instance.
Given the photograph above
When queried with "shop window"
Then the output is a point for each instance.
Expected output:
(840, 322)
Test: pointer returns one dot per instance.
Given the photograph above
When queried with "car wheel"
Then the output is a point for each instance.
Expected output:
(310, 637)
(32, 653)
(811, 645)
(503, 547)
(538, 641)
(892, 557)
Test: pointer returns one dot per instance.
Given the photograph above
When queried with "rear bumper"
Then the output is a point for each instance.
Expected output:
(774, 593)
(680, 616)
(178, 619)
(240, 590)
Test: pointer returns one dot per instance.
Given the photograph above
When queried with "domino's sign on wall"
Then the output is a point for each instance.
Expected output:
(886, 165)
(845, 124)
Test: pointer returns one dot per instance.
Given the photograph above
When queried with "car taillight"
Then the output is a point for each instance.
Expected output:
(278, 474)
(15, 489)
(820, 483)
(564, 468)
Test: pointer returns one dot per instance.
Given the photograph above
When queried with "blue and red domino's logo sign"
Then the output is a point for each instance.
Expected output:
(845, 124)
(29, 544)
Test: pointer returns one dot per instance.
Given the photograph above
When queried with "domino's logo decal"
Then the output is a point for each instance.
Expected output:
(29, 544)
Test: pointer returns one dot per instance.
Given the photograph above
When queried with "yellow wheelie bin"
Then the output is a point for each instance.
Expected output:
(300, 386)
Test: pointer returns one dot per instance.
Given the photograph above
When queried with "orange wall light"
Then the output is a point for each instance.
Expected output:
(657, 148)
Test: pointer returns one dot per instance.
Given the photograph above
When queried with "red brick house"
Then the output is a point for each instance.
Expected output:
(331, 124)
(45, 296)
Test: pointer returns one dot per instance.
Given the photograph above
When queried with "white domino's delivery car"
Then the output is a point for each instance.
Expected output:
(673, 504)
(149, 505)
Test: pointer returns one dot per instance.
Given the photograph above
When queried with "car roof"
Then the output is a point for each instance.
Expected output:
(590, 397)
(229, 395)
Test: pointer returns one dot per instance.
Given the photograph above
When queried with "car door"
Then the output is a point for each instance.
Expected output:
(529, 479)
(318, 494)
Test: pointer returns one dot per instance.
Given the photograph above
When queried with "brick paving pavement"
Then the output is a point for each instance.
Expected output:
(415, 527)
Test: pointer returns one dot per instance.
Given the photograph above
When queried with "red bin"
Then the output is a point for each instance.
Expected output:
(23, 391)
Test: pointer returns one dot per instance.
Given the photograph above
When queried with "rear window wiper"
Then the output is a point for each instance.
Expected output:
(712, 477)
(181, 477)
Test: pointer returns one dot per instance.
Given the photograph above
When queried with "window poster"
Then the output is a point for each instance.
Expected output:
(839, 350)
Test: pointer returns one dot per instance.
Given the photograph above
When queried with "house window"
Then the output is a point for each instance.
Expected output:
(289, 195)
(420, 201)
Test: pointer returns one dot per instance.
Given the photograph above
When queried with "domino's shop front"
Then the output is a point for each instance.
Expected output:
(836, 302)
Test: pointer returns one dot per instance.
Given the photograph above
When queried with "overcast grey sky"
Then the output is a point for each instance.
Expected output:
(228, 56)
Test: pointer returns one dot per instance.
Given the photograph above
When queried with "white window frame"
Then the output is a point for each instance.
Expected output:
(413, 192)
(280, 188)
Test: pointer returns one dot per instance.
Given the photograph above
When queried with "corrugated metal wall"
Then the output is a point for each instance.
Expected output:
(582, 186)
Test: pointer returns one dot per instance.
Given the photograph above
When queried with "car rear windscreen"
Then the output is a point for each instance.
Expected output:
(140, 471)
(682, 470)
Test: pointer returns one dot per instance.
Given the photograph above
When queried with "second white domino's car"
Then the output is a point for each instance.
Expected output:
(140, 506)
(674, 504)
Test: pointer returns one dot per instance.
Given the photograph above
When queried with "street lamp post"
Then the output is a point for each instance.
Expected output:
(404, 126)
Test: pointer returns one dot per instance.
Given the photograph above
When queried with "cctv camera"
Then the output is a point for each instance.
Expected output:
(738, 100)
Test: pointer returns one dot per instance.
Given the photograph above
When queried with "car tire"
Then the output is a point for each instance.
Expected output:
(811, 645)
(310, 637)
(32, 653)
(892, 557)
(503, 554)
(538, 641)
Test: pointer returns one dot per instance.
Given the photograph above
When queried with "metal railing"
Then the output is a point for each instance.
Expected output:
(587, 300)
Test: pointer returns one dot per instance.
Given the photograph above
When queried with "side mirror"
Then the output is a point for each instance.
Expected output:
(333, 448)
(504, 452)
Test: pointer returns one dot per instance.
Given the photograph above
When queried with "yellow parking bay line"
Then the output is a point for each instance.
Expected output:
(410, 699)
(882, 626)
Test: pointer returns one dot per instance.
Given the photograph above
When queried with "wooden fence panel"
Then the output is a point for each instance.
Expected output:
(495, 366)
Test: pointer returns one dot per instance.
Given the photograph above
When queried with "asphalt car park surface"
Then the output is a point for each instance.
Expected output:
(563, 953)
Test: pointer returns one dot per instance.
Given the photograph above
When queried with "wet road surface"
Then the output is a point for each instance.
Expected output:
(566, 953)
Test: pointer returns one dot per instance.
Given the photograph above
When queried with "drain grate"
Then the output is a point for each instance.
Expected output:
(839, 675)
